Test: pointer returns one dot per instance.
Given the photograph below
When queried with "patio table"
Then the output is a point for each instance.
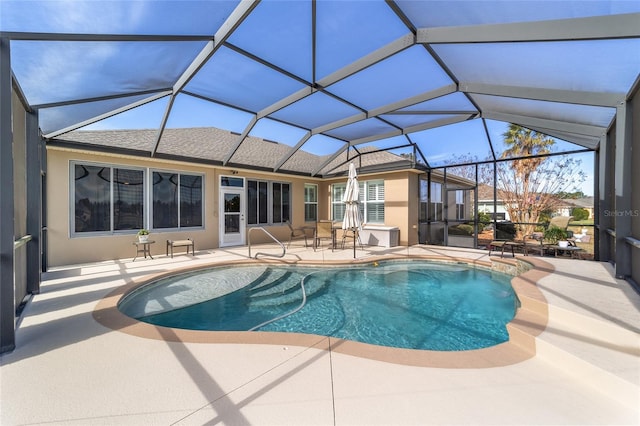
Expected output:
(145, 249)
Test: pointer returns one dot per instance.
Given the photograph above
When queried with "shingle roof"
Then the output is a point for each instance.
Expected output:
(208, 144)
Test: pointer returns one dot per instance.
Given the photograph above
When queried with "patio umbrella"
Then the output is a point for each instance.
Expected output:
(352, 219)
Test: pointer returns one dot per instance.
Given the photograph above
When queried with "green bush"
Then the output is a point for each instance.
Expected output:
(579, 213)
(484, 218)
(554, 234)
(462, 229)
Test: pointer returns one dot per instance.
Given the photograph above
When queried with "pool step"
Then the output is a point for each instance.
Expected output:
(286, 292)
(273, 282)
(602, 353)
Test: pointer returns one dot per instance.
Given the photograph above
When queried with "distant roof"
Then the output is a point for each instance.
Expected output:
(485, 192)
(585, 202)
(422, 78)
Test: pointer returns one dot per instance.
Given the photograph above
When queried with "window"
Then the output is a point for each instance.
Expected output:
(337, 205)
(424, 200)
(258, 195)
(374, 202)
(371, 201)
(177, 200)
(435, 205)
(268, 202)
(106, 198)
(310, 203)
(460, 204)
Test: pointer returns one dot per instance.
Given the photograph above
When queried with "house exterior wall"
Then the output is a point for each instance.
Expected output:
(63, 249)
(401, 203)
(401, 207)
(396, 203)
(486, 206)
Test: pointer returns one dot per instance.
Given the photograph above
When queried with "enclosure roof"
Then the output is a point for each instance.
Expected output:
(427, 80)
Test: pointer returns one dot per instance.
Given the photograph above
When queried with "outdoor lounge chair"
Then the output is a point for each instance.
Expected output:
(501, 245)
(561, 222)
(534, 243)
(297, 233)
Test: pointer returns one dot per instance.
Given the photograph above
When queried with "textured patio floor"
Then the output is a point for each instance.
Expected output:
(70, 369)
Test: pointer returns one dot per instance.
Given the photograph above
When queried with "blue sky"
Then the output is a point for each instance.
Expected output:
(357, 27)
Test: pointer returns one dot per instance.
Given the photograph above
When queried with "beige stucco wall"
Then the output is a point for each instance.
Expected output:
(64, 249)
(401, 207)
(396, 204)
(401, 204)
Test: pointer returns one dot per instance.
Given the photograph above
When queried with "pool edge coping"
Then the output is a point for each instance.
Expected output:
(530, 320)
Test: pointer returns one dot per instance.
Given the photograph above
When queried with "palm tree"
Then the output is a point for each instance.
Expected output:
(531, 184)
(524, 142)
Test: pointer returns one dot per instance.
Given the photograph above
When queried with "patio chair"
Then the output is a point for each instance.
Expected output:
(297, 233)
(324, 229)
(348, 234)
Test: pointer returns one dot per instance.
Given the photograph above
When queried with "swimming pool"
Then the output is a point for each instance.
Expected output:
(404, 304)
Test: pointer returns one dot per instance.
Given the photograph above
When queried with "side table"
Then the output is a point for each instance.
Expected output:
(571, 250)
(143, 248)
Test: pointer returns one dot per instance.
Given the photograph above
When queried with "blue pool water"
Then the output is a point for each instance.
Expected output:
(408, 304)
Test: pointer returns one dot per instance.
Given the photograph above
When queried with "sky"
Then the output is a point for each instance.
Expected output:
(120, 68)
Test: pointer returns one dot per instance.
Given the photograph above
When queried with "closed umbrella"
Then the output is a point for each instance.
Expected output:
(352, 220)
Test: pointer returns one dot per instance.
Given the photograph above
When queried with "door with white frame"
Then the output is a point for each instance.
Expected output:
(232, 208)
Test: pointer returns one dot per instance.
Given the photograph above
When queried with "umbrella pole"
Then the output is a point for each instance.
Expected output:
(354, 242)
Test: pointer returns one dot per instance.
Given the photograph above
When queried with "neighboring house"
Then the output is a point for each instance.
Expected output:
(486, 205)
(567, 205)
(107, 187)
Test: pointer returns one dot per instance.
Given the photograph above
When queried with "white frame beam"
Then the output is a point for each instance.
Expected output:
(601, 99)
(590, 28)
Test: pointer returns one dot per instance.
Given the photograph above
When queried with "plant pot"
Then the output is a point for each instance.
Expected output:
(143, 238)
(563, 244)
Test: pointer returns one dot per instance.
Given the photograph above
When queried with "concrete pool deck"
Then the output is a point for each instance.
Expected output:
(69, 368)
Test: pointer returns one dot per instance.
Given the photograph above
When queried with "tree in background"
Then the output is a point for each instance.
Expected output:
(530, 185)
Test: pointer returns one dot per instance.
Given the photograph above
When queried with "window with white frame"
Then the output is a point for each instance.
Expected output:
(460, 204)
(268, 202)
(371, 201)
(310, 202)
(337, 205)
(106, 198)
(177, 200)
(435, 202)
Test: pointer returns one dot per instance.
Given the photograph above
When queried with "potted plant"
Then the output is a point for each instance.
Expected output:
(143, 235)
(556, 236)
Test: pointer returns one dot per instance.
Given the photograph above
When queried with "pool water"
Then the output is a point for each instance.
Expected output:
(409, 304)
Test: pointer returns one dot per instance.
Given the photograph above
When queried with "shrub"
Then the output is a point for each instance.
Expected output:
(484, 217)
(462, 229)
(553, 234)
(579, 213)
